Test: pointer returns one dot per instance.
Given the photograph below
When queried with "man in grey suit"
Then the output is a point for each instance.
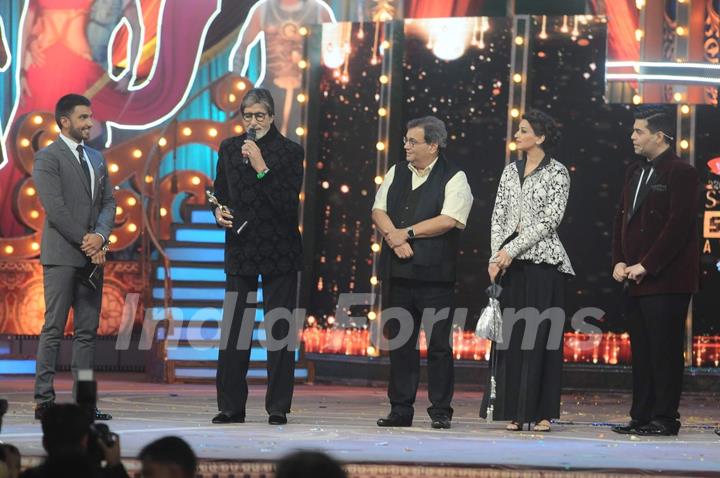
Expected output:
(74, 187)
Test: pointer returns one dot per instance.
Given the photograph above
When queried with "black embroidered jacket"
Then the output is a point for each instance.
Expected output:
(270, 243)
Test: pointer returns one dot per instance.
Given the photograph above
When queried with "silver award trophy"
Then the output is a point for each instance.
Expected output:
(90, 274)
(212, 199)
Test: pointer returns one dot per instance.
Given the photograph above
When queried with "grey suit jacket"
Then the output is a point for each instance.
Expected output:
(71, 211)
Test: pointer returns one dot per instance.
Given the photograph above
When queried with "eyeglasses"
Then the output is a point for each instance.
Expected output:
(412, 142)
(258, 116)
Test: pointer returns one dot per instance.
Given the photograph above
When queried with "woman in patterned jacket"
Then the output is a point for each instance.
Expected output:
(531, 264)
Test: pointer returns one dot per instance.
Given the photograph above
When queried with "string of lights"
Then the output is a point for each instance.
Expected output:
(518, 77)
(385, 52)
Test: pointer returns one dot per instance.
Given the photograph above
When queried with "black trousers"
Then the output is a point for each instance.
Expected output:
(657, 332)
(234, 358)
(529, 375)
(415, 296)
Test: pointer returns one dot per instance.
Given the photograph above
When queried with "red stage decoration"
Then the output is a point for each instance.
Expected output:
(714, 165)
(623, 23)
(602, 349)
(436, 9)
(22, 308)
(151, 12)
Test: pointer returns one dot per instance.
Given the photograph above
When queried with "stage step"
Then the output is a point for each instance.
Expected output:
(196, 251)
(5, 347)
(204, 235)
(209, 353)
(17, 365)
(200, 333)
(199, 293)
(202, 216)
(210, 294)
(196, 315)
(196, 273)
(205, 375)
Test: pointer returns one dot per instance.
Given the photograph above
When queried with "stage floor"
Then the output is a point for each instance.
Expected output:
(341, 421)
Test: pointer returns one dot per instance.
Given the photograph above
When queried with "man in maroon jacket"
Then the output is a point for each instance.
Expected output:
(656, 255)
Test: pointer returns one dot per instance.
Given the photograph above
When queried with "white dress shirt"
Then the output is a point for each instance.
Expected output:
(642, 174)
(73, 147)
(458, 196)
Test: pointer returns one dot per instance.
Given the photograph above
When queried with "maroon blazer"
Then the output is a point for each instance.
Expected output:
(662, 234)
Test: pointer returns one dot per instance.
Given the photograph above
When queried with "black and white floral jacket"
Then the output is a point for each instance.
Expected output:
(533, 208)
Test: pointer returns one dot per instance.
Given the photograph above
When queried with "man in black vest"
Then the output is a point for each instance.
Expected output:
(420, 210)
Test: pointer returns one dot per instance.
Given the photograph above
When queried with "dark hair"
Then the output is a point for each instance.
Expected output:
(258, 95)
(64, 427)
(7, 448)
(434, 128)
(658, 120)
(75, 464)
(543, 124)
(67, 104)
(6, 451)
(307, 464)
(171, 450)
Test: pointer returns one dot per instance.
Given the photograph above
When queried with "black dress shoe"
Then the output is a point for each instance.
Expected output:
(41, 408)
(395, 420)
(277, 419)
(630, 428)
(659, 429)
(223, 418)
(102, 416)
(440, 423)
(717, 431)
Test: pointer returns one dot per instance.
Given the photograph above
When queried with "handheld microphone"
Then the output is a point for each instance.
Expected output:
(251, 135)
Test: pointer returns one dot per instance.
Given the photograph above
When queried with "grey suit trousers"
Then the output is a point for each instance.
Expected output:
(62, 291)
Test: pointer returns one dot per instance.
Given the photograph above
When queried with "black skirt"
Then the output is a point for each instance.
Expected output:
(528, 377)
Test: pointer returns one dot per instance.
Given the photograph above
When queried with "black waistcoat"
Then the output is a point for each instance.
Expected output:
(434, 258)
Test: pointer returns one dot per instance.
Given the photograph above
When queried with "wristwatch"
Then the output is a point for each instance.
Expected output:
(410, 233)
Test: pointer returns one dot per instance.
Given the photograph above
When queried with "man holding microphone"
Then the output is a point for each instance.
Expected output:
(259, 182)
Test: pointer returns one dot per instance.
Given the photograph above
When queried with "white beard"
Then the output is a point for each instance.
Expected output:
(259, 133)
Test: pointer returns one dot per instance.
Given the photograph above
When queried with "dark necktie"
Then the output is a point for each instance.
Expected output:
(84, 164)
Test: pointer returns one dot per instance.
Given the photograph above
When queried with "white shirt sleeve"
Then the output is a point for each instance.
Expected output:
(458, 199)
(382, 192)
